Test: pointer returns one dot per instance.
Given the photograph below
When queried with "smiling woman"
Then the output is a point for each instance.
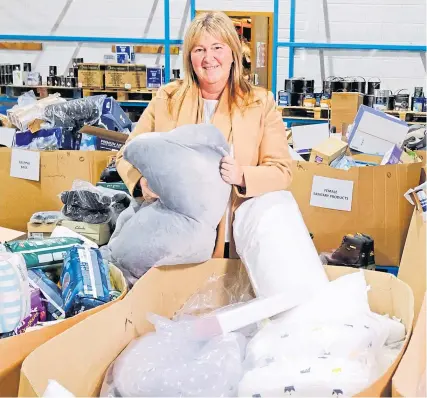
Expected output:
(215, 91)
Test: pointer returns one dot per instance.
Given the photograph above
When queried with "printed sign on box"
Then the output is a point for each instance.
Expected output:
(25, 164)
(331, 193)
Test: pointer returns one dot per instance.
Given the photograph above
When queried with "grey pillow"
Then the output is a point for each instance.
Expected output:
(182, 167)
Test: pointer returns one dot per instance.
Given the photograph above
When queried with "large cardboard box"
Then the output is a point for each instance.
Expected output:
(125, 76)
(413, 265)
(163, 291)
(410, 377)
(91, 75)
(13, 350)
(344, 107)
(378, 207)
(20, 199)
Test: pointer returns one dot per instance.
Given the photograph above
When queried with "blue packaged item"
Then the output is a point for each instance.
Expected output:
(113, 116)
(155, 77)
(51, 294)
(125, 54)
(45, 139)
(84, 280)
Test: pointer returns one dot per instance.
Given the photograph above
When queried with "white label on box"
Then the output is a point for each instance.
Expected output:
(331, 193)
(25, 164)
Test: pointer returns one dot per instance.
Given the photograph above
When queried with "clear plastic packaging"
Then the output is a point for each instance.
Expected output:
(94, 205)
(75, 113)
(169, 363)
(47, 143)
(22, 116)
(46, 217)
(219, 291)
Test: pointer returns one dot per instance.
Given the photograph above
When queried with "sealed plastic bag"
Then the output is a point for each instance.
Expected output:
(15, 302)
(46, 217)
(75, 113)
(94, 205)
(182, 168)
(22, 116)
(169, 363)
(276, 248)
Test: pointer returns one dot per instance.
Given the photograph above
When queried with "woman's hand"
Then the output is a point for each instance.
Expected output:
(232, 172)
(147, 193)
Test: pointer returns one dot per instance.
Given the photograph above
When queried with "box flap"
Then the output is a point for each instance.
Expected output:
(6, 235)
(106, 134)
(409, 379)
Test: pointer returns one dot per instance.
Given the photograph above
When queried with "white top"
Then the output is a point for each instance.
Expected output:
(209, 107)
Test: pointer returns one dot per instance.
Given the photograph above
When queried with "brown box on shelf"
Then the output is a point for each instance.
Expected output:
(344, 108)
(91, 75)
(140, 76)
(120, 76)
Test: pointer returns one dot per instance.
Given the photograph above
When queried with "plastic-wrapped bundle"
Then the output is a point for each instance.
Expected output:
(94, 205)
(46, 217)
(170, 363)
(15, 302)
(75, 113)
(21, 116)
(84, 280)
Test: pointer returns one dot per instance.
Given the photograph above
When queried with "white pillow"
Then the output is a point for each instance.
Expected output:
(275, 246)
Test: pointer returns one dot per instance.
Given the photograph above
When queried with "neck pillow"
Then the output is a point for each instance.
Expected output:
(182, 168)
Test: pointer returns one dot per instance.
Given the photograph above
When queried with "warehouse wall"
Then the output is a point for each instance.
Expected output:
(344, 21)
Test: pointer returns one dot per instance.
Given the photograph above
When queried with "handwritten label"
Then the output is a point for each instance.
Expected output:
(331, 193)
(25, 164)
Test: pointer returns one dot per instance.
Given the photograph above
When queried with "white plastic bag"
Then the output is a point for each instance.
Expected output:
(275, 246)
(169, 363)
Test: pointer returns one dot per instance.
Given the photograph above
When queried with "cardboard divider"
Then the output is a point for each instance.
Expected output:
(164, 291)
(410, 377)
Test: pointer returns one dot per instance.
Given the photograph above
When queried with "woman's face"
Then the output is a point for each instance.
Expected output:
(211, 60)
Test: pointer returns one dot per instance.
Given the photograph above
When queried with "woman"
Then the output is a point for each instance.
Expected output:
(215, 91)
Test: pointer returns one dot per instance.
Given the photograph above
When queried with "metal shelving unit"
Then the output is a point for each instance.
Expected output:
(167, 41)
(292, 44)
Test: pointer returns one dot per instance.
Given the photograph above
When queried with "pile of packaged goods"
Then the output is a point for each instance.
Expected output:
(48, 280)
(59, 272)
(54, 123)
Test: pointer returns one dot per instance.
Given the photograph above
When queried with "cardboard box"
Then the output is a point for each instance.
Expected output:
(58, 170)
(125, 76)
(328, 151)
(378, 207)
(91, 75)
(17, 348)
(113, 117)
(40, 231)
(97, 138)
(98, 233)
(125, 53)
(410, 377)
(413, 265)
(344, 107)
(375, 132)
(163, 291)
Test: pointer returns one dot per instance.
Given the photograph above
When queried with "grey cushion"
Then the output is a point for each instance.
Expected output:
(182, 167)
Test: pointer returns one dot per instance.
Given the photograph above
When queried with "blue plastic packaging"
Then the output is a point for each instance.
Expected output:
(84, 280)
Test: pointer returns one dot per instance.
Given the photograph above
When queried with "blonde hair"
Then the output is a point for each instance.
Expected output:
(219, 25)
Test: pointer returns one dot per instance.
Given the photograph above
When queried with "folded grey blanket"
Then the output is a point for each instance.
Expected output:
(182, 167)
